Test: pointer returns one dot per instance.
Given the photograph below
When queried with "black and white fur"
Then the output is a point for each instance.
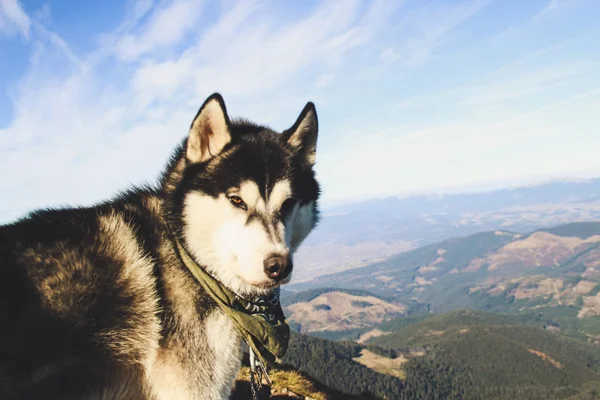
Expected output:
(96, 304)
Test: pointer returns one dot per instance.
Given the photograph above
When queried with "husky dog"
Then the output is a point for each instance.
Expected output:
(95, 302)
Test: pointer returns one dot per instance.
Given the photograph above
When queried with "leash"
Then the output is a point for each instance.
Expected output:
(258, 370)
(257, 373)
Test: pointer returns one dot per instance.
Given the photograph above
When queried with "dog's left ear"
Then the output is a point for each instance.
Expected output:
(303, 135)
(209, 132)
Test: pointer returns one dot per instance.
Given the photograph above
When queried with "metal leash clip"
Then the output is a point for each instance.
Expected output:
(257, 373)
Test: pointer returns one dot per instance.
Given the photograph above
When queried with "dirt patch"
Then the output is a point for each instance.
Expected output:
(591, 258)
(384, 365)
(420, 281)
(433, 266)
(538, 249)
(370, 335)
(545, 288)
(384, 278)
(591, 306)
(428, 268)
(475, 265)
(591, 272)
(435, 333)
(343, 312)
(545, 357)
(584, 287)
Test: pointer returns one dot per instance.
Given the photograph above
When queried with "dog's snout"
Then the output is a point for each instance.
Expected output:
(277, 266)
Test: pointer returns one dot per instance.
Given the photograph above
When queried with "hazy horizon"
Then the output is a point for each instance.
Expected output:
(412, 97)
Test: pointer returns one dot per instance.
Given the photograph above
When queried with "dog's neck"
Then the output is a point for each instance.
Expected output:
(261, 323)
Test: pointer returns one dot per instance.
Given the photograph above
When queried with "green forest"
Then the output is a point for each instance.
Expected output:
(461, 355)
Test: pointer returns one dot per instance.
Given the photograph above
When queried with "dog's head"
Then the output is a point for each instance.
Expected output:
(247, 196)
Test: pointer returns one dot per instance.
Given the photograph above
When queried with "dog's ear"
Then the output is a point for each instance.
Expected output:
(209, 132)
(303, 135)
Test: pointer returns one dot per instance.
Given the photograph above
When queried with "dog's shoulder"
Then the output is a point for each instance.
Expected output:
(84, 277)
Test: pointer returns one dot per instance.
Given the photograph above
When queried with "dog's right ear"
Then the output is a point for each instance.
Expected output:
(209, 132)
(303, 135)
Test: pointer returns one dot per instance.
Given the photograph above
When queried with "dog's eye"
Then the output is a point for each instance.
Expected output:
(238, 202)
(287, 207)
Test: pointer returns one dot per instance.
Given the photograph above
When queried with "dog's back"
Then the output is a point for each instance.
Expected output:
(77, 299)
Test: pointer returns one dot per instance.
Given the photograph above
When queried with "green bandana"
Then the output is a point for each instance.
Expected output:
(261, 323)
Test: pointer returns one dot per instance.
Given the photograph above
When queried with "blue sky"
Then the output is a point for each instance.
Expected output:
(413, 96)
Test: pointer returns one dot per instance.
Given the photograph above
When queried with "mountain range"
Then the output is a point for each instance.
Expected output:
(363, 233)
(472, 296)
(555, 270)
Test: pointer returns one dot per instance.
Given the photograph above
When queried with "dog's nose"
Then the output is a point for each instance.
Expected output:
(277, 266)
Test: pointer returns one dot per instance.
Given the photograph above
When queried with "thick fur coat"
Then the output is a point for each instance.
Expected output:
(95, 302)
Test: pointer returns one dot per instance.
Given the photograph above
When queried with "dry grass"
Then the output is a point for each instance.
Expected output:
(543, 288)
(384, 365)
(287, 379)
(584, 287)
(546, 357)
(343, 313)
(540, 248)
(371, 334)
(591, 306)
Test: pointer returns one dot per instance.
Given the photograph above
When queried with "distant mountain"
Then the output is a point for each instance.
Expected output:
(556, 268)
(583, 191)
(289, 297)
(359, 234)
(458, 355)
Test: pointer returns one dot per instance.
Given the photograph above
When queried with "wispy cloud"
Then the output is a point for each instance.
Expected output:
(555, 8)
(537, 80)
(430, 26)
(166, 26)
(68, 125)
(398, 110)
(240, 55)
(13, 19)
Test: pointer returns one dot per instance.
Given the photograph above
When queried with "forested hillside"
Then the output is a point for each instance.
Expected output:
(460, 355)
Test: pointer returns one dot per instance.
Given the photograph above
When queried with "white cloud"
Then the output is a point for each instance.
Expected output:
(555, 8)
(430, 26)
(13, 18)
(249, 53)
(166, 26)
(83, 137)
(77, 136)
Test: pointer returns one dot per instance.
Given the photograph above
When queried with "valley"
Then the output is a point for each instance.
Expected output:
(495, 314)
(477, 296)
